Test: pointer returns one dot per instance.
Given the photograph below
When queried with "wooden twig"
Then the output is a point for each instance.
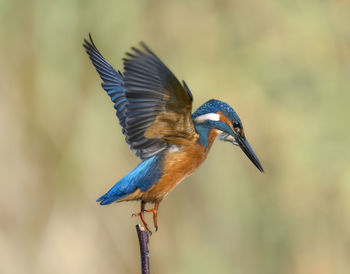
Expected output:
(143, 241)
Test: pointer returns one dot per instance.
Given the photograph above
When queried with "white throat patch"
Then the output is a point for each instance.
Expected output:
(208, 116)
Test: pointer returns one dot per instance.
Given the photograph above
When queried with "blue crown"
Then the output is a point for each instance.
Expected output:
(214, 106)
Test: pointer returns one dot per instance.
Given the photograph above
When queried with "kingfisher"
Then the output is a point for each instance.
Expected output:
(155, 112)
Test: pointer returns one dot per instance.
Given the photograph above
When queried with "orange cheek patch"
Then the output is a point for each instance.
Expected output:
(224, 119)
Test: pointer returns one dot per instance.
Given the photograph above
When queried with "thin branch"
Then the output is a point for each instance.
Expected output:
(143, 241)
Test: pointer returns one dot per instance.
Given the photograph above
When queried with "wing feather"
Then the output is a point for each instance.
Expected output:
(153, 107)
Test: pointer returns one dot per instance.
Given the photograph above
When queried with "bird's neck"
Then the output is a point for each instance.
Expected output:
(207, 135)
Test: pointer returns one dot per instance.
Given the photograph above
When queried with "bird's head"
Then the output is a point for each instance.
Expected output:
(219, 116)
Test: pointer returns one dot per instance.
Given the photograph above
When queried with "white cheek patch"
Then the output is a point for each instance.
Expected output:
(227, 138)
(208, 116)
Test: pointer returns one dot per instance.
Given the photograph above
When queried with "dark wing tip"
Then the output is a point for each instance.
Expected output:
(187, 90)
(146, 48)
(90, 45)
(136, 52)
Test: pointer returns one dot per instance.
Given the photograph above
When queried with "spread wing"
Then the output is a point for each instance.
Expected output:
(113, 81)
(153, 107)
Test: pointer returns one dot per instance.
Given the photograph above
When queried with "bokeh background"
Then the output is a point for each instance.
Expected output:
(284, 66)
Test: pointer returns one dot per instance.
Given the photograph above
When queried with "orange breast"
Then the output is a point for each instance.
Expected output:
(177, 166)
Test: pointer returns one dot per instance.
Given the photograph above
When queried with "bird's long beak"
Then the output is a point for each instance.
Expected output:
(247, 149)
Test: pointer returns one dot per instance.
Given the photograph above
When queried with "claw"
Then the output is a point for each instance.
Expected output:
(155, 214)
(141, 215)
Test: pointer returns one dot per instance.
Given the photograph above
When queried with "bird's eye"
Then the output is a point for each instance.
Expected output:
(237, 127)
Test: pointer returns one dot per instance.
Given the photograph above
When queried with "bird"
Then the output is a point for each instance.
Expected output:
(155, 112)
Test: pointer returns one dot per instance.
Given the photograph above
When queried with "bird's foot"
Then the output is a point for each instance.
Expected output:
(142, 217)
(155, 212)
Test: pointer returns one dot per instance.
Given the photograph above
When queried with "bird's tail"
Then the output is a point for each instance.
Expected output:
(146, 174)
(106, 199)
(118, 191)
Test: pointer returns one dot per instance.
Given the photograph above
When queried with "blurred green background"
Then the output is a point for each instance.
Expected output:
(284, 66)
